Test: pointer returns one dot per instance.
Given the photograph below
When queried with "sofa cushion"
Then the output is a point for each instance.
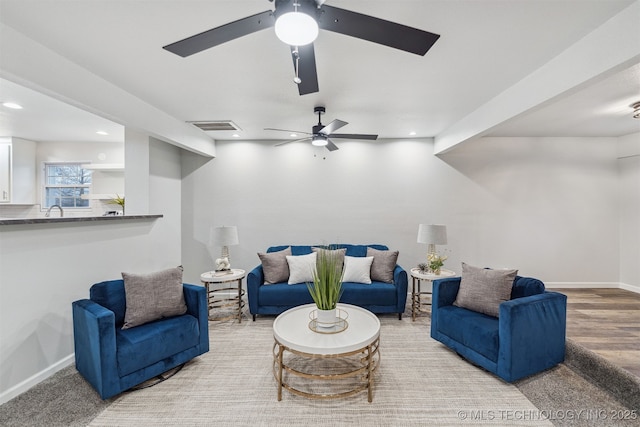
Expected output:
(361, 250)
(153, 296)
(483, 290)
(284, 295)
(147, 344)
(301, 268)
(475, 330)
(295, 250)
(375, 294)
(384, 263)
(275, 265)
(357, 269)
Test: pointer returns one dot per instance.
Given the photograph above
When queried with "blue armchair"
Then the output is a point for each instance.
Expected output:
(113, 360)
(526, 338)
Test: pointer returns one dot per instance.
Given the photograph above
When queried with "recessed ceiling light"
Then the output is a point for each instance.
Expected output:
(235, 135)
(293, 135)
(101, 132)
(412, 133)
(12, 105)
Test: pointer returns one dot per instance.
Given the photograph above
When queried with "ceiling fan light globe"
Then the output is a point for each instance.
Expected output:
(319, 141)
(296, 28)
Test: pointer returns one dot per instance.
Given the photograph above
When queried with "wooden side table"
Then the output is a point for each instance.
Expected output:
(417, 302)
(218, 283)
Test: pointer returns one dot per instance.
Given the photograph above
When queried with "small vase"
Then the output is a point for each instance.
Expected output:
(436, 271)
(326, 318)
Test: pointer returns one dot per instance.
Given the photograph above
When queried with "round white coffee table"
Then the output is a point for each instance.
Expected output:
(292, 334)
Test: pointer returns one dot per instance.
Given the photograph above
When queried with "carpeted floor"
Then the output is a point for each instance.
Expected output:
(419, 383)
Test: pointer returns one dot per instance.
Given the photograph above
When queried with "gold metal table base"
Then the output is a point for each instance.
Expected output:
(367, 358)
(419, 299)
(233, 302)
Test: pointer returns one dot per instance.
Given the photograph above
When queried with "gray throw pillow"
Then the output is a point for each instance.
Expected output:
(384, 263)
(275, 266)
(338, 253)
(153, 296)
(484, 290)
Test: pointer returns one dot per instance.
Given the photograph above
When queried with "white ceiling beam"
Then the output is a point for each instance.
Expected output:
(33, 65)
(610, 48)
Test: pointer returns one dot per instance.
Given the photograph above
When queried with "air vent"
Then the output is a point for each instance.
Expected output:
(215, 125)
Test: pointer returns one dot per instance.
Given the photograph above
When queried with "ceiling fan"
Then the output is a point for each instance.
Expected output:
(297, 22)
(319, 135)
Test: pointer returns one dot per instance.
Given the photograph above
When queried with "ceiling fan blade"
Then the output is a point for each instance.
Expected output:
(306, 68)
(222, 34)
(333, 126)
(331, 146)
(376, 30)
(290, 131)
(292, 140)
(354, 136)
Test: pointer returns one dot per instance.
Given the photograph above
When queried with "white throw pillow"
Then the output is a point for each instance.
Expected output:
(301, 268)
(357, 269)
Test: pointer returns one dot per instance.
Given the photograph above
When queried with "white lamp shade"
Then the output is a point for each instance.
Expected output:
(296, 28)
(432, 234)
(224, 236)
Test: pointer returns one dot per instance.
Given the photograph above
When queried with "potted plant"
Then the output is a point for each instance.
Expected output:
(118, 201)
(436, 262)
(326, 288)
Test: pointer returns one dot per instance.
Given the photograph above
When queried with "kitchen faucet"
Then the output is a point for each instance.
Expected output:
(55, 206)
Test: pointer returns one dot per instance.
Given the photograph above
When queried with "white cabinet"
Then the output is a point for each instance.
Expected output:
(17, 171)
(5, 172)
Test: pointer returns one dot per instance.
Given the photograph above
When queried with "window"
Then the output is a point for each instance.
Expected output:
(65, 183)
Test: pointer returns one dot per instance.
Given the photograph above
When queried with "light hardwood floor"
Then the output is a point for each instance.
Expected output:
(607, 322)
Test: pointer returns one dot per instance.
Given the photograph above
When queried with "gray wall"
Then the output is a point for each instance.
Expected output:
(542, 205)
(44, 268)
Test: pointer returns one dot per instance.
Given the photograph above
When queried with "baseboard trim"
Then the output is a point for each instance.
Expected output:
(592, 285)
(35, 379)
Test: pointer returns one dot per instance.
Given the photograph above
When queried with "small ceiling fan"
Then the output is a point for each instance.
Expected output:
(319, 135)
(297, 23)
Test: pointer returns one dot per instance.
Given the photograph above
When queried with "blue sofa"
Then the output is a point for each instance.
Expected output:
(526, 338)
(113, 360)
(377, 297)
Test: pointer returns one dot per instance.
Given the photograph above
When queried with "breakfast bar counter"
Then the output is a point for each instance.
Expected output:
(57, 220)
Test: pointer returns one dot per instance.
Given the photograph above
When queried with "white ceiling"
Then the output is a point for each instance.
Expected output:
(486, 46)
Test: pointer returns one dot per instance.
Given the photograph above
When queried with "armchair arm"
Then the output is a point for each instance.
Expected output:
(532, 333)
(94, 337)
(401, 282)
(197, 306)
(444, 292)
(255, 279)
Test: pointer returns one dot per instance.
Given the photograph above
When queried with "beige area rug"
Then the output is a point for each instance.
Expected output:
(419, 383)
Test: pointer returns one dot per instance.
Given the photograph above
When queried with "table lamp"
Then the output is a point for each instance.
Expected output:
(432, 235)
(224, 236)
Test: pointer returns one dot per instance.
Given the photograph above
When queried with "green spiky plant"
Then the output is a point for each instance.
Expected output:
(117, 201)
(326, 288)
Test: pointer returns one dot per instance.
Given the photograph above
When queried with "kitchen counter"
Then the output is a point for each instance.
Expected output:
(57, 220)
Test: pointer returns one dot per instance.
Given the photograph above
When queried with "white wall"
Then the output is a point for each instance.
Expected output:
(43, 268)
(629, 192)
(543, 205)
